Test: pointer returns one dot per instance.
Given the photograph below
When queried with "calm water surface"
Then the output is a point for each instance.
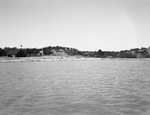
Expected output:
(104, 87)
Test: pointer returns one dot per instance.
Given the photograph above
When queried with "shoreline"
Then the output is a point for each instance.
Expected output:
(45, 59)
(58, 58)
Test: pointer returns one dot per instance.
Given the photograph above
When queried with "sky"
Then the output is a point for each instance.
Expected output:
(109, 25)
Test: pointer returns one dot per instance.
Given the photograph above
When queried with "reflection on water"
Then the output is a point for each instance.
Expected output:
(104, 87)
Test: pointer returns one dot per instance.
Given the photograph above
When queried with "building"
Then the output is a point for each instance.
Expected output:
(16, 53)
(41, 53)
(59, 52)
(148, 50)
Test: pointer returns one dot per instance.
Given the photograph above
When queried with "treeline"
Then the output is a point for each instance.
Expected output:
(46, 50)
(135, 53)
(132, 53)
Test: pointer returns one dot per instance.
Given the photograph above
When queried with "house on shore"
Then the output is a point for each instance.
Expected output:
(59, 52)
(41, 53)
(16, 53)
(148, 50)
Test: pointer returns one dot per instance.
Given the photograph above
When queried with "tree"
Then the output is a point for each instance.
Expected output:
(126, 54)
(100, 53)
(21, 53)
(2, 52)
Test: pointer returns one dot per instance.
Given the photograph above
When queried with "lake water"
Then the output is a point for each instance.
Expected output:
(102, 87)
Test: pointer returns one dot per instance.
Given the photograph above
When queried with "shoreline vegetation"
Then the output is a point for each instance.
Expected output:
(58, 53)
(56, 58)
(45, 59)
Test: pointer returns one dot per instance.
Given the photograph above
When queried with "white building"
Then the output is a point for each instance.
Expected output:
(41, 53)
(148, 50)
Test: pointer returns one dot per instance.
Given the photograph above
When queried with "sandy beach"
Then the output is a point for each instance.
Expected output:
(45, 59)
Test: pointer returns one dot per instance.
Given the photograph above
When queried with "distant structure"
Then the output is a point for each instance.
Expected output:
(41, 53)
(59, 52)
(148, 50)
(16, 53)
